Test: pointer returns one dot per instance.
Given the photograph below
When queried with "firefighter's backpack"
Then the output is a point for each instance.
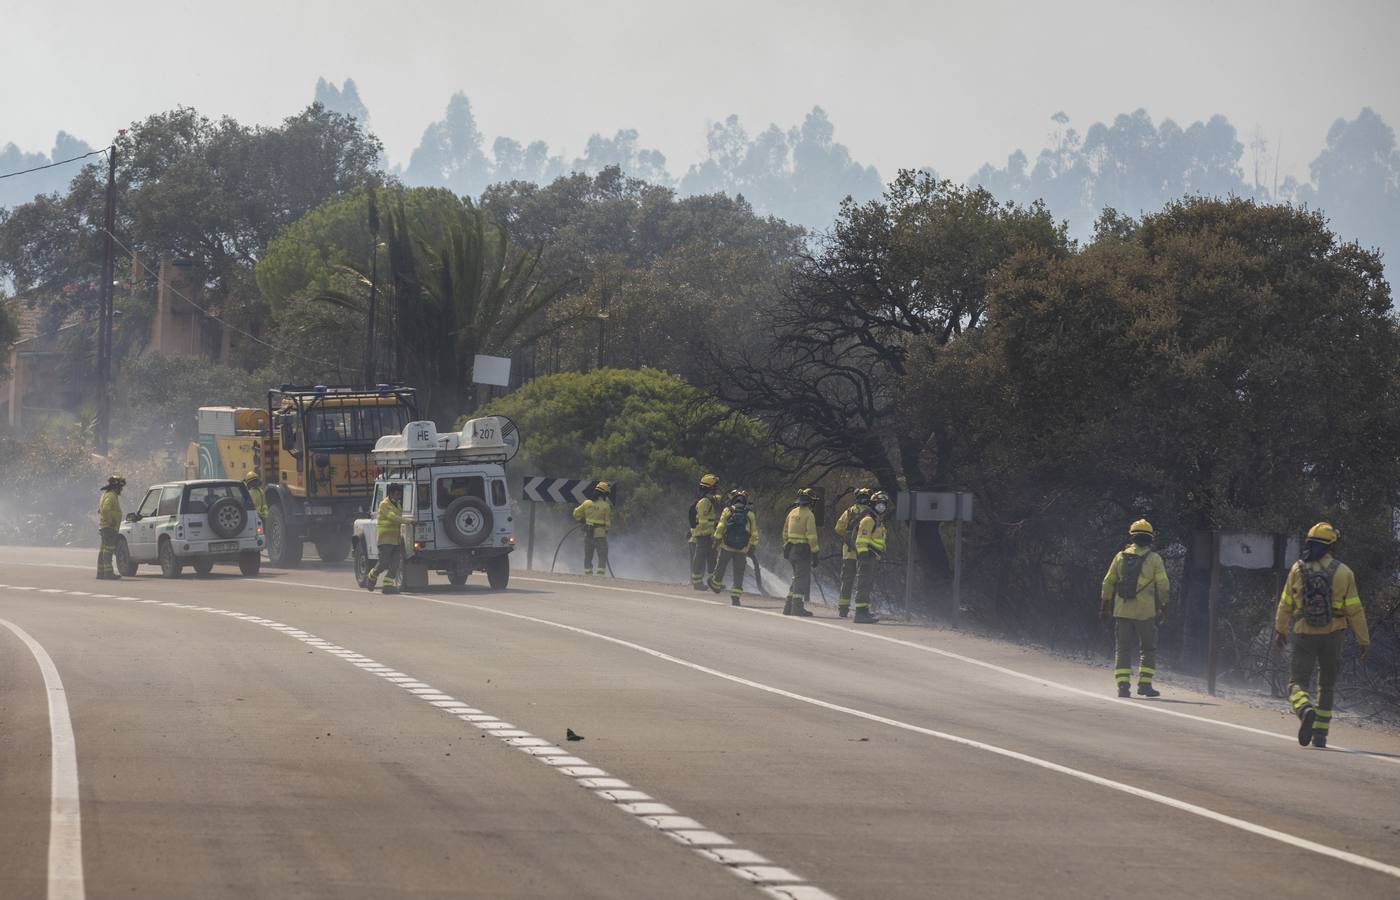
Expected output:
(1129, 572)
(1317, 593)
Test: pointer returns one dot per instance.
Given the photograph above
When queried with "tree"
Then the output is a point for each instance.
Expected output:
(9, 332)
(1212, 366)
(902, 276)
(344, 100)
(658, 434)
(800, 175)
(449, 154)
(1356, 179)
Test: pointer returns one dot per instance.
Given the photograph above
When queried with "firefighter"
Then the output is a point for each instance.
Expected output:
(867, 539)
(255, 490)
(387, 536)
(800, 547)
(1134, 595)
(704, 515)
(737, 534)
(1321, 595)
(596, 517)
(842, 527)
(109, 519)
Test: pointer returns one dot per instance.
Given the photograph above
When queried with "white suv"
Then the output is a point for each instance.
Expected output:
(455, 492)
(199, 523)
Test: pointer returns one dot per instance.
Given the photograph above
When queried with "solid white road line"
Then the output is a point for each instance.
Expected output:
(773, 880)
(1233, 822)
(873, 635)
(65, 818)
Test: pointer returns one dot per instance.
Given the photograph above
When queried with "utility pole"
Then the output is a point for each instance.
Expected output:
(370, 379)
(105, 311)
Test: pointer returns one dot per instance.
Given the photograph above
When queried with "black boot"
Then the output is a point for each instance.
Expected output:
(1305, 730)
(1124, 690)
(864, 616)
(1319, 740)
(787, 607)
(1145, 689)
(734, 600)
(799, 608)
(843, 609)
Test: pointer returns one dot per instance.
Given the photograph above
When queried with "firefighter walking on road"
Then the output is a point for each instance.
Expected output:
(737, 534)
(386, 535)
(844, 524)
(704, 515)
(1134, 595)
(1321, 596)
(109, 519)
(867, 539)
(596, 517)
(800, 547)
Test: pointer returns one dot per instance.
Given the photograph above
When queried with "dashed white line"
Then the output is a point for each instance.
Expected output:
(683, 830)
(65, 871)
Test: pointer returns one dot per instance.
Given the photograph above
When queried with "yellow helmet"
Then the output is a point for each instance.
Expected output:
(1142, 526)
(602, 487)
(863, 494)
(1323, 533)
(115, 481)
(709, 481)
(806, 495)
(250, 478)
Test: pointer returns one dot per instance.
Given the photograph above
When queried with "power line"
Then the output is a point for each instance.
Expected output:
(61, 162)
(234, 328)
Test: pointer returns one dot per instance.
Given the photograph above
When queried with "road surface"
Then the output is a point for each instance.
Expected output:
(292, 736)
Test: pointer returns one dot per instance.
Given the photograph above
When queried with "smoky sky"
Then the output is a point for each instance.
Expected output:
(944, 84)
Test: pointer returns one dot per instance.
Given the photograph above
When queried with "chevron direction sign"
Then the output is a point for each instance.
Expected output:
(539, 489)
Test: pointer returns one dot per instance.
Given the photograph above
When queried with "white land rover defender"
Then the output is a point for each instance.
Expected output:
(455, 492)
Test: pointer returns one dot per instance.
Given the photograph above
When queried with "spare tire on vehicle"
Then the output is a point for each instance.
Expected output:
(227, 517)
(467, 521)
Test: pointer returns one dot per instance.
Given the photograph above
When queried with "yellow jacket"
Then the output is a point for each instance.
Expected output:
(870, 535)
(801, 528)
(109, 511)
(1346, 602)
(842, 526)
(386, 524)
(706, 515)
(259, 501)
(724, 524)
(1144, 604)
(595, 513)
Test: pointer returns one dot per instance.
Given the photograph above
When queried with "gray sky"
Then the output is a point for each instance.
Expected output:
(947, 84)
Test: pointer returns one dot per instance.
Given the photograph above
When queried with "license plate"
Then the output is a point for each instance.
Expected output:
(223, 546)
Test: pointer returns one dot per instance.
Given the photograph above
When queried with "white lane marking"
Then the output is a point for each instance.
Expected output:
(1097, 696)
(684, 830)
(65, 811)
(1122, 787)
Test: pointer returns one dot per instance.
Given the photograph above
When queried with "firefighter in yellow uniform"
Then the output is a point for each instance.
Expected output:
(109, 519)
(386, 535)
(255, 490)
(596, 518)
(844, 523)
(800, 547)
(868, 541)
(1134, 594)
(1321, 595)
(704, 515)
(737, 534)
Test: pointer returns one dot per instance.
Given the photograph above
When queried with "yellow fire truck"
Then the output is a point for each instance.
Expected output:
(312, 448)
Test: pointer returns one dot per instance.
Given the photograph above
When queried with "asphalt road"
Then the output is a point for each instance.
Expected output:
(291, 736)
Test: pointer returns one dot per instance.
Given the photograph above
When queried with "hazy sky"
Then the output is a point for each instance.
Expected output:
(947, 84)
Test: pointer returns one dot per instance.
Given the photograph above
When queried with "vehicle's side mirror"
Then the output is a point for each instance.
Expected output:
(133, 517)
(289, 436)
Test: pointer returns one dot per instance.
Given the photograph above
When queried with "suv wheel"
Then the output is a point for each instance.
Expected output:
(170, 566)
(468, 521)
(227, 518)
(498, 572)
(361, 562)
(203, 566)
(250, 562)
(126, 566)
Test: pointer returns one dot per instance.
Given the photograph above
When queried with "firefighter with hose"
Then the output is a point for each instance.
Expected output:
(595, 515)
(704, 515)
(800, 547)
(843, 527)
(737, 534)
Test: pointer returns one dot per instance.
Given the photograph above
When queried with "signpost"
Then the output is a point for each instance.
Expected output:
(934, 506)
(541, 489)
(1239, 551)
